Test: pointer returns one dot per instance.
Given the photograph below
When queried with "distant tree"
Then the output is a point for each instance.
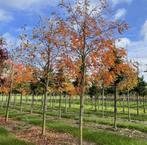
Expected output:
(141, 87)
(129, 82)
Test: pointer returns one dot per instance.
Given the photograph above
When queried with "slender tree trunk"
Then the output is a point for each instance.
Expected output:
(69, 101)
(14, 100)
(98, 102)
(32, 103)
(44, 109)
(41, 102)
(95, 104)
(103, 93)
(128, 101)
(81, 117)
(51, 100)
(82, 101)
(123, 104)
(105, 103)
(60, 99)
(47, 102)
(26, 99)
(7, 107)
(21, 102)
(9, 96)
(6, 100)
(137, 104)
(115, 107)
(144, 109)
(2, 101)
(65, 103)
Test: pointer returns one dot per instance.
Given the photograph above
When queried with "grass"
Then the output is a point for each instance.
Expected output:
(95, 117)
(92, 117)
(99, 137)
(7, 138)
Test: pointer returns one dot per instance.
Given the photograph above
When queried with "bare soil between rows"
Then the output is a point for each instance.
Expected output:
(32, 134)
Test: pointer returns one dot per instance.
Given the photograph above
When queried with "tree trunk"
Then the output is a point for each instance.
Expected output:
(137, 104)
(32, 103)
(9, 97)
(95, 98)
(51, 99)
(105, 103)
(41, 102)
(6, 100)
(98, 102)
(115, 107)
(14, 100)
(65, 103)
(2, 101)
(82, 102)
(21, 102)
(44, 109)
(103, 93)
(81, 118)
(128, 101)
(60, 99)
(69, 100)
(123, 104)
(7, 107)
(47, 102)
(144, 109)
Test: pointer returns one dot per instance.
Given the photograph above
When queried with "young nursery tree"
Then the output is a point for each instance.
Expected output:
(43, 50)
(129, 82)
(85, 28)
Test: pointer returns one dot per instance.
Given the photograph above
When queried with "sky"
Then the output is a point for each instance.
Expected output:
(16, 13)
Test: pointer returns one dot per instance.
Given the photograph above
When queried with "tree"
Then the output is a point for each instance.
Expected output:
(16, 57)
(59, 85)
(93, 92)
(118, 72)
(3, 58)
(22, 80)
(42, 51)
(129, 82)
(85, 29)
(140, 90)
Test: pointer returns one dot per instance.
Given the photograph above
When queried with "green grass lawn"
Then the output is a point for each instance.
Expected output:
(7, 138)
(98, 136)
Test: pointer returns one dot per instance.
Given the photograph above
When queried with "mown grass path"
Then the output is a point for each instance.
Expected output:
(91, 133)
(7, 138)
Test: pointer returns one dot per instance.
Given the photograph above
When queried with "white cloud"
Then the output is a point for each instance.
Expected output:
(115, 2)
(8, 37)
(11, 41)
(144, 31)
(120, 13)
(27, 4)
(137, 50)
(5, 16)
(122, 42)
